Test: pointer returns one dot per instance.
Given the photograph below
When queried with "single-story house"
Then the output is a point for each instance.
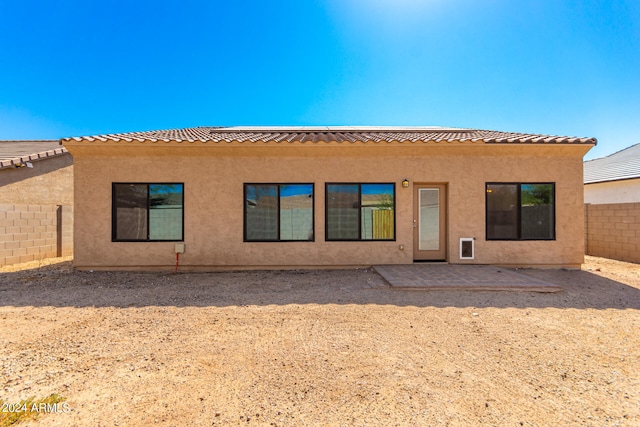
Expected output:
(36, 201)
(295, 197)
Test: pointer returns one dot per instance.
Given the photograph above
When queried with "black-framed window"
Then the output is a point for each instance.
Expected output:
(520, 211)
(358, 211)
(144, 212)
(278, 212)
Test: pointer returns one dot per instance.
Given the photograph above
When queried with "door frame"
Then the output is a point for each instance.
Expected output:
(441, 253)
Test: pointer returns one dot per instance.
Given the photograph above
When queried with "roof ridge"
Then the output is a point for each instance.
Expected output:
(2, 141)
(329, 129)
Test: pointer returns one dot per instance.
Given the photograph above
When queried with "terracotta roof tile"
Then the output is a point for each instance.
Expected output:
(328, 134)
(18, 152)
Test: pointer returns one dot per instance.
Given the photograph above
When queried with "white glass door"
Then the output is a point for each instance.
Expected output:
(429, 222)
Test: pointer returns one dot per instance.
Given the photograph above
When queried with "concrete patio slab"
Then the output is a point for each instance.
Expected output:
(446, 277)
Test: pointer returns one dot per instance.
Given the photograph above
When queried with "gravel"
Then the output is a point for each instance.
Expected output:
(331, 347)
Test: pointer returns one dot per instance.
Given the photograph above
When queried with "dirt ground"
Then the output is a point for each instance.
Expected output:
(331, 348)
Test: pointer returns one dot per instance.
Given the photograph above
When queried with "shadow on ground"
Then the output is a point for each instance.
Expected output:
(60, 286)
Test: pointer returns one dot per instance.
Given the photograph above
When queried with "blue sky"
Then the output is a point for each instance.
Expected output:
(562, 67)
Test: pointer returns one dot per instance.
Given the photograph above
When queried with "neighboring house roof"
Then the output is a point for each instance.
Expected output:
(17, 153)
(329, 134)
(624, 164)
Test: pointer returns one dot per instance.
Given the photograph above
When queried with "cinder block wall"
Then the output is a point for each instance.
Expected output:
(613, 231)
(34, 232)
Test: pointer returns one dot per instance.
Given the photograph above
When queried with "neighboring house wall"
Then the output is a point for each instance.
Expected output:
(48, 182)
(213, 178)
(623, 191)
(613, 231)
(34, 232)
(36, 210)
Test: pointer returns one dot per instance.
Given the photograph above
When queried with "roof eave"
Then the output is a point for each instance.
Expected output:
(601, 181)
(18, 161)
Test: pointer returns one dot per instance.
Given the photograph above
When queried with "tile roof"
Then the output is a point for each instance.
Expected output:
(328, 134)
(624, 164)
(13, 153)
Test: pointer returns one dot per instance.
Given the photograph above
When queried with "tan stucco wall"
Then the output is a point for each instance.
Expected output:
(49, 182)
(213, 178)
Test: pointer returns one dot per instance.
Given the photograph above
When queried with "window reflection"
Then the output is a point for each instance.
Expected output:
(147, 212)
(296, 212)
(520, 211)
(360, 211)
(502, 211)
(343, 212)
(377, 211)
(278, 212)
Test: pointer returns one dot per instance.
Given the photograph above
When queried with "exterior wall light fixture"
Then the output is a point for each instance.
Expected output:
(405, 183)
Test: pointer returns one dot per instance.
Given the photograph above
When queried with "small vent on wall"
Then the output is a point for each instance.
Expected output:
(467, 248)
